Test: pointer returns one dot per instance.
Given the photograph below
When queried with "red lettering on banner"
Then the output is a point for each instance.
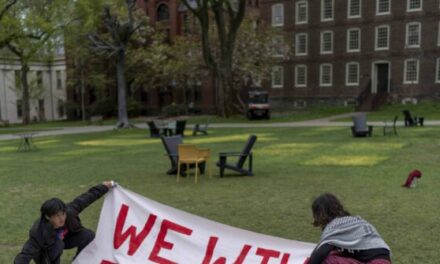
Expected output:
(161, 243)
(285, 259)
(135, 239)
(267, 254)
(222, 260)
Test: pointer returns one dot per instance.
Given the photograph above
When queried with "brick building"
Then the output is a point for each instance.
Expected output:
(365, 51)
(173, 17)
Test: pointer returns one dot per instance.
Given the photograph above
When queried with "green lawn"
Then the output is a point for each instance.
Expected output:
(292, 165)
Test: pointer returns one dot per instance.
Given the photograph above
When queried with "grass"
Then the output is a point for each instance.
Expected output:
(430, 110)
(292, 166)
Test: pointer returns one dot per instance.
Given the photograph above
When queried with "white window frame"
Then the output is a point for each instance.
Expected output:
(323, 11)
(297, 12)
(405, 80)
(349, 15)
(321, 75)
(408, 6)
(437, 71)
(347, 83)
(297, 36)
(348, 40)
(376, 38)
(277, 43)
(274, 9)
(323, 44)
(407, 36)
(383, 13)
(274, 68)
(296, 75)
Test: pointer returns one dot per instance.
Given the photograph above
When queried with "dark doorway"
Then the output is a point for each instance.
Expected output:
(382, 77)
(41, 110)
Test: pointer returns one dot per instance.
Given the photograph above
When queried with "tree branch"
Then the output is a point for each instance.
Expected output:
(9, 4)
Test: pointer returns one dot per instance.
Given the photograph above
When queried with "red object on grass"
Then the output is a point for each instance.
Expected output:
(411, 177)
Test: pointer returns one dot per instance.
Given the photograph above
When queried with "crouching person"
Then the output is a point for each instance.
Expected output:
(345, 239)
(59, 228)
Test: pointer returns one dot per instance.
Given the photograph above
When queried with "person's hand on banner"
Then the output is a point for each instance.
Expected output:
(109, 184)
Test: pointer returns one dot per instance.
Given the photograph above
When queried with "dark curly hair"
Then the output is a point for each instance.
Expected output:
(325, 208)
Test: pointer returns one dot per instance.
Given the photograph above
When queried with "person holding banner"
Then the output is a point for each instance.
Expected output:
(59, 228)
(345, 239)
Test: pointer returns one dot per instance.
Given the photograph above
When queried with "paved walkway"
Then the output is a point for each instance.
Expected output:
(309, 123)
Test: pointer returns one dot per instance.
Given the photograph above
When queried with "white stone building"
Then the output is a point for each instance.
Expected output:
(48, 90)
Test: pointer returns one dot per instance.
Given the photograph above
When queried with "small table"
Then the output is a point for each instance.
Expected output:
(26, 142)
(166, 127)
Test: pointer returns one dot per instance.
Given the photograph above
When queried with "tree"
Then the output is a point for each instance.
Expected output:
(228, 16)
(35, 26)
(82, 70)
(158, 63)
(114, 44)
(258, 49)
(5, 36)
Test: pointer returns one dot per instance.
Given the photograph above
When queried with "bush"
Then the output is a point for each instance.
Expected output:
(133, 108)
(105, 107)
(174, 110)
(73, 110)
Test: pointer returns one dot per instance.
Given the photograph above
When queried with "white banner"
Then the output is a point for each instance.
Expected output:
(134, 229)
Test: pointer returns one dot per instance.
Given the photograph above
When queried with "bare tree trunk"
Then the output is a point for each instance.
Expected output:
(122, 100)
(26, 118)
(220, 88)
(83, 105)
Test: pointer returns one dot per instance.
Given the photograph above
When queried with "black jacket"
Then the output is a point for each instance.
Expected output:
(42, 234)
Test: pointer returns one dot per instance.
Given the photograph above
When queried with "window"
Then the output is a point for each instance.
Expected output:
(277, 77)
(383, 7)
(186, 21)
(61, 108)
(278, 50)
(352, 74)
(414, 5)
(301, 44)
(325, 75)
(354, 8)
(277, 15)
(19, 104)
(300, 76)
(301, 12)
(382, 37)
(163, 12)
(59, 80)
(39, 79)
(438, 34)
(326, 42)
(413, 35)
(353, 40)
(411, 74)
(17, 79)
(326, 10)
(437, 71)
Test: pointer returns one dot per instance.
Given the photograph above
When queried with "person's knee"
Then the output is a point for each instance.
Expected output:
(335, 259)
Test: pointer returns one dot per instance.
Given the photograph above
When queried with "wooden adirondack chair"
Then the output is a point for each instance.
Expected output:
(410, 121)
(171, 144)
(242, 157)
(154, 131)
(360, 128)
(390, 126)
